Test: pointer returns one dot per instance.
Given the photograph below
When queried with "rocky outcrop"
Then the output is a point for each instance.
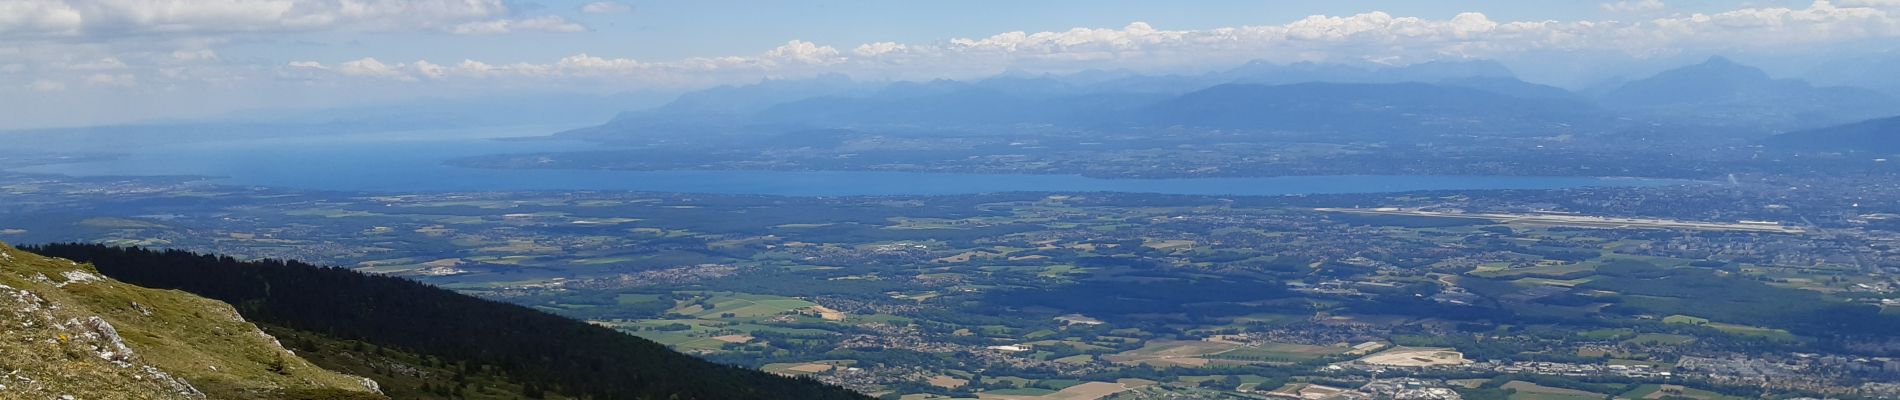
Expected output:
(72, 357)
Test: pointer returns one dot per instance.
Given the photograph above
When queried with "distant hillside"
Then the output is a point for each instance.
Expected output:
(1721, 92)
(1083, 100)
(746, 99)
(1260, 72)
(1515, 88)
(1874, 71)
(71, 332)
(1366, 109)
(1873, 136)
(549, 352)
(945, 104)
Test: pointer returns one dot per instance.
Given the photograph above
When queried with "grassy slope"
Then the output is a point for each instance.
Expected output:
(560, 355)
(201, 344)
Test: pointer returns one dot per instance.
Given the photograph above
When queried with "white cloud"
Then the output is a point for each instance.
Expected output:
(803, 52)
(370, 67)
(428, 70)
(194, 55)
(115, 80)
(108, 63)
(105, 19)
(1375, 37)
(584, 62)
(545, 23)
(473, 68)
(306, 65)
(878, 49)
(45, 86)
(1871, 3)
(1634, 7)
(28, 16)
(606, 7)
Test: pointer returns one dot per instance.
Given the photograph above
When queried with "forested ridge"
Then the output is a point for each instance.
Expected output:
(550, 352)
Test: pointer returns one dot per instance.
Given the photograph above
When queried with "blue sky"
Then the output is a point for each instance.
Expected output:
(77, 62)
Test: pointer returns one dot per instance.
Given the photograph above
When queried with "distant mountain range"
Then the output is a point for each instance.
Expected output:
(1364, 108)
(1276, 74)
(949, 103)
(1881, 136)
(1873, 71)
(1474, 97)
(515, 110)
(1721, 92)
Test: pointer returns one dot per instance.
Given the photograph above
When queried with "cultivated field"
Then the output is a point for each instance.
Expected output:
(1532, 391)
(1084, 391)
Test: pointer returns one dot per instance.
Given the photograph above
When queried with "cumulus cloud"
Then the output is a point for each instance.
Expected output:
(101, 19)
(878, 49)
(44, 86)
(803, 52)
(1634, 7)
(194, 55)
(112, 80)
(584, 62)
(606, 7)
(108, 63)
(306, 65)
(370, 67)
(1871, 3)
(428, 70)
(545, 23)
(1375, 37)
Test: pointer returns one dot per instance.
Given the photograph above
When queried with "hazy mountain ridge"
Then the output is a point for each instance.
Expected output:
(523, 110)
(1269, 73)
(1721, 92)
(1478, 94)
(1090, 99)
(1876, 135)
(947, 103)
(1365, 109)
(1874, 71)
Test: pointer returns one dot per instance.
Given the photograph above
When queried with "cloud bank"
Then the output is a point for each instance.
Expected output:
(96, 19)
(1374, 37)
(606, 7)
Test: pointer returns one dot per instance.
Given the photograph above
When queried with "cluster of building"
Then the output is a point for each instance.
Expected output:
(1799, 371)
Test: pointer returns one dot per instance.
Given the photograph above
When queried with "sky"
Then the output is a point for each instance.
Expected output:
(84, 62)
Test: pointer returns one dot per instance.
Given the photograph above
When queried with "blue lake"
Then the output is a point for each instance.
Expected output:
(413, 163)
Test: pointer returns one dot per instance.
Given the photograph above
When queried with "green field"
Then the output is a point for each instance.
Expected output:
(1733, 329)
(1644, 391)
(1660, 338)
(741, 305)
(1021, 392)
(1531, 391)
